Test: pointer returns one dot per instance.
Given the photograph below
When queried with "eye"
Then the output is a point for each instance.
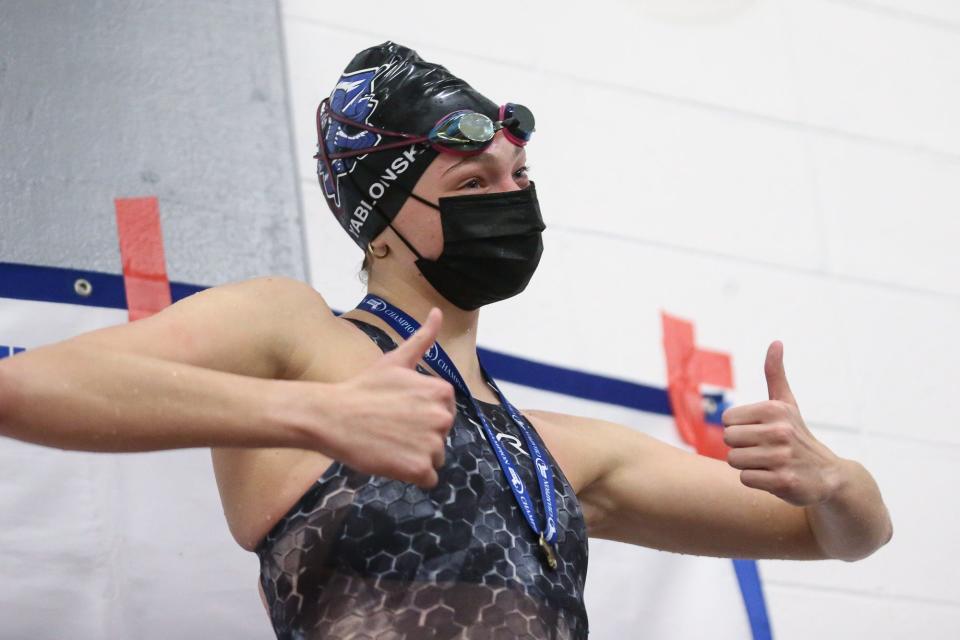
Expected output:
(472, 183)
(523, 173)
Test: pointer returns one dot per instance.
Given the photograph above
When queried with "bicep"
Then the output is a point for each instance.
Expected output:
(660, 496)
(247, 327)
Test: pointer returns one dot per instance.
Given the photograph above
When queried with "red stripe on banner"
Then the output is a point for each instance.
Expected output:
(713, 368)
(687, 368)
(141, 252)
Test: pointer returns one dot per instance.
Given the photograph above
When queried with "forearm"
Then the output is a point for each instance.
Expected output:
(853, 522)
(82, 398)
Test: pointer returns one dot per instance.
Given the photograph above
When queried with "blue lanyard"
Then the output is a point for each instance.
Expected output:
(440, 362)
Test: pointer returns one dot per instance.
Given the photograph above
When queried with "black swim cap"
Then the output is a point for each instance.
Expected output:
(389, 87)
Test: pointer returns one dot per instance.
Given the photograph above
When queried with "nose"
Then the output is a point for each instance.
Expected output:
(505, 182)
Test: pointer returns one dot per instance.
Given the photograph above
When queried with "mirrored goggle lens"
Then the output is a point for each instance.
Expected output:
(518, 120)
(468, 131)
(463, 130)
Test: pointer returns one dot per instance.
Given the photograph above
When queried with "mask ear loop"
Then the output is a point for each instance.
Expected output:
(383, 216)
(423, 200)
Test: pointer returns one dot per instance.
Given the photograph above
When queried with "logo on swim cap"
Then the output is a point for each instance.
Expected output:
(352, 98)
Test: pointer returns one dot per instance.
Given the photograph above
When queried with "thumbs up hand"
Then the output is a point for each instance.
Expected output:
(774, 449)
(392, 420)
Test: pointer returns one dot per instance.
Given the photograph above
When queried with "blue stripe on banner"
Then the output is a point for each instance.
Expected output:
(749, 578)
(55, 284)
(579, 384)
(717, 405)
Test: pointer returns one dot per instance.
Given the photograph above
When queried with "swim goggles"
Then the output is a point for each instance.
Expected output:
(462, 132)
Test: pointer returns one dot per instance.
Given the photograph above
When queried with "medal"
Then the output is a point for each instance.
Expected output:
(550, 556)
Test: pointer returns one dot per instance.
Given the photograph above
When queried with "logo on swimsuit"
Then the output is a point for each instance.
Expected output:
(541, 467)
(516, 481)
(376, 304)
(511, 440)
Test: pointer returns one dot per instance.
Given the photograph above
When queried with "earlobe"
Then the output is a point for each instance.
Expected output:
(384, 250)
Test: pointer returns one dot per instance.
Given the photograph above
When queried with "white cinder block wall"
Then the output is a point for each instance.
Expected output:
(769, 169)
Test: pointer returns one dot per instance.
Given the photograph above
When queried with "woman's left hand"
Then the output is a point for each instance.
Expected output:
(774, 448)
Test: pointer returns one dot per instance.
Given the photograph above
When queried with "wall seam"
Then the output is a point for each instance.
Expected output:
(291, 133)
(878, 595)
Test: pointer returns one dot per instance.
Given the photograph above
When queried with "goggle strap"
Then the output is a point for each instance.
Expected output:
(323, 155)
(324, 108)
(447, 146)
(381, 147)
(362, 125)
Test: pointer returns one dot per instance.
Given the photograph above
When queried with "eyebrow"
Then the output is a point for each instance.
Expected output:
(477, 158)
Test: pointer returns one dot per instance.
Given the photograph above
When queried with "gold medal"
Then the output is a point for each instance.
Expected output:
(549, 553)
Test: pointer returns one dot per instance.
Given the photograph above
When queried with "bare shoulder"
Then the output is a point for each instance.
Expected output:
(248, 327)
(275, 303)
(288, 293)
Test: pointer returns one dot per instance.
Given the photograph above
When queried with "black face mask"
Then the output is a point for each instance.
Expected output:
(491, 246)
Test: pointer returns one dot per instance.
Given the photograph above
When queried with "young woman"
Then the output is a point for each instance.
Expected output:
(385, 503)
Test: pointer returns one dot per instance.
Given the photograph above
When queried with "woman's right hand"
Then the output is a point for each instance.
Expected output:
(390, 420)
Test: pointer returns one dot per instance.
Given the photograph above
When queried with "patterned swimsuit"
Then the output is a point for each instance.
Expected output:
(366, 557)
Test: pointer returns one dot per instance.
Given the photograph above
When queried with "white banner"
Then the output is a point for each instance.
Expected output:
(135, 546)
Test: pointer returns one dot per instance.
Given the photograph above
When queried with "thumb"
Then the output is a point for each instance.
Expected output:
(777, 386)
(411, 351)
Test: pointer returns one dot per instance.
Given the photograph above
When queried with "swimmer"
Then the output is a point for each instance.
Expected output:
(406, 496)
